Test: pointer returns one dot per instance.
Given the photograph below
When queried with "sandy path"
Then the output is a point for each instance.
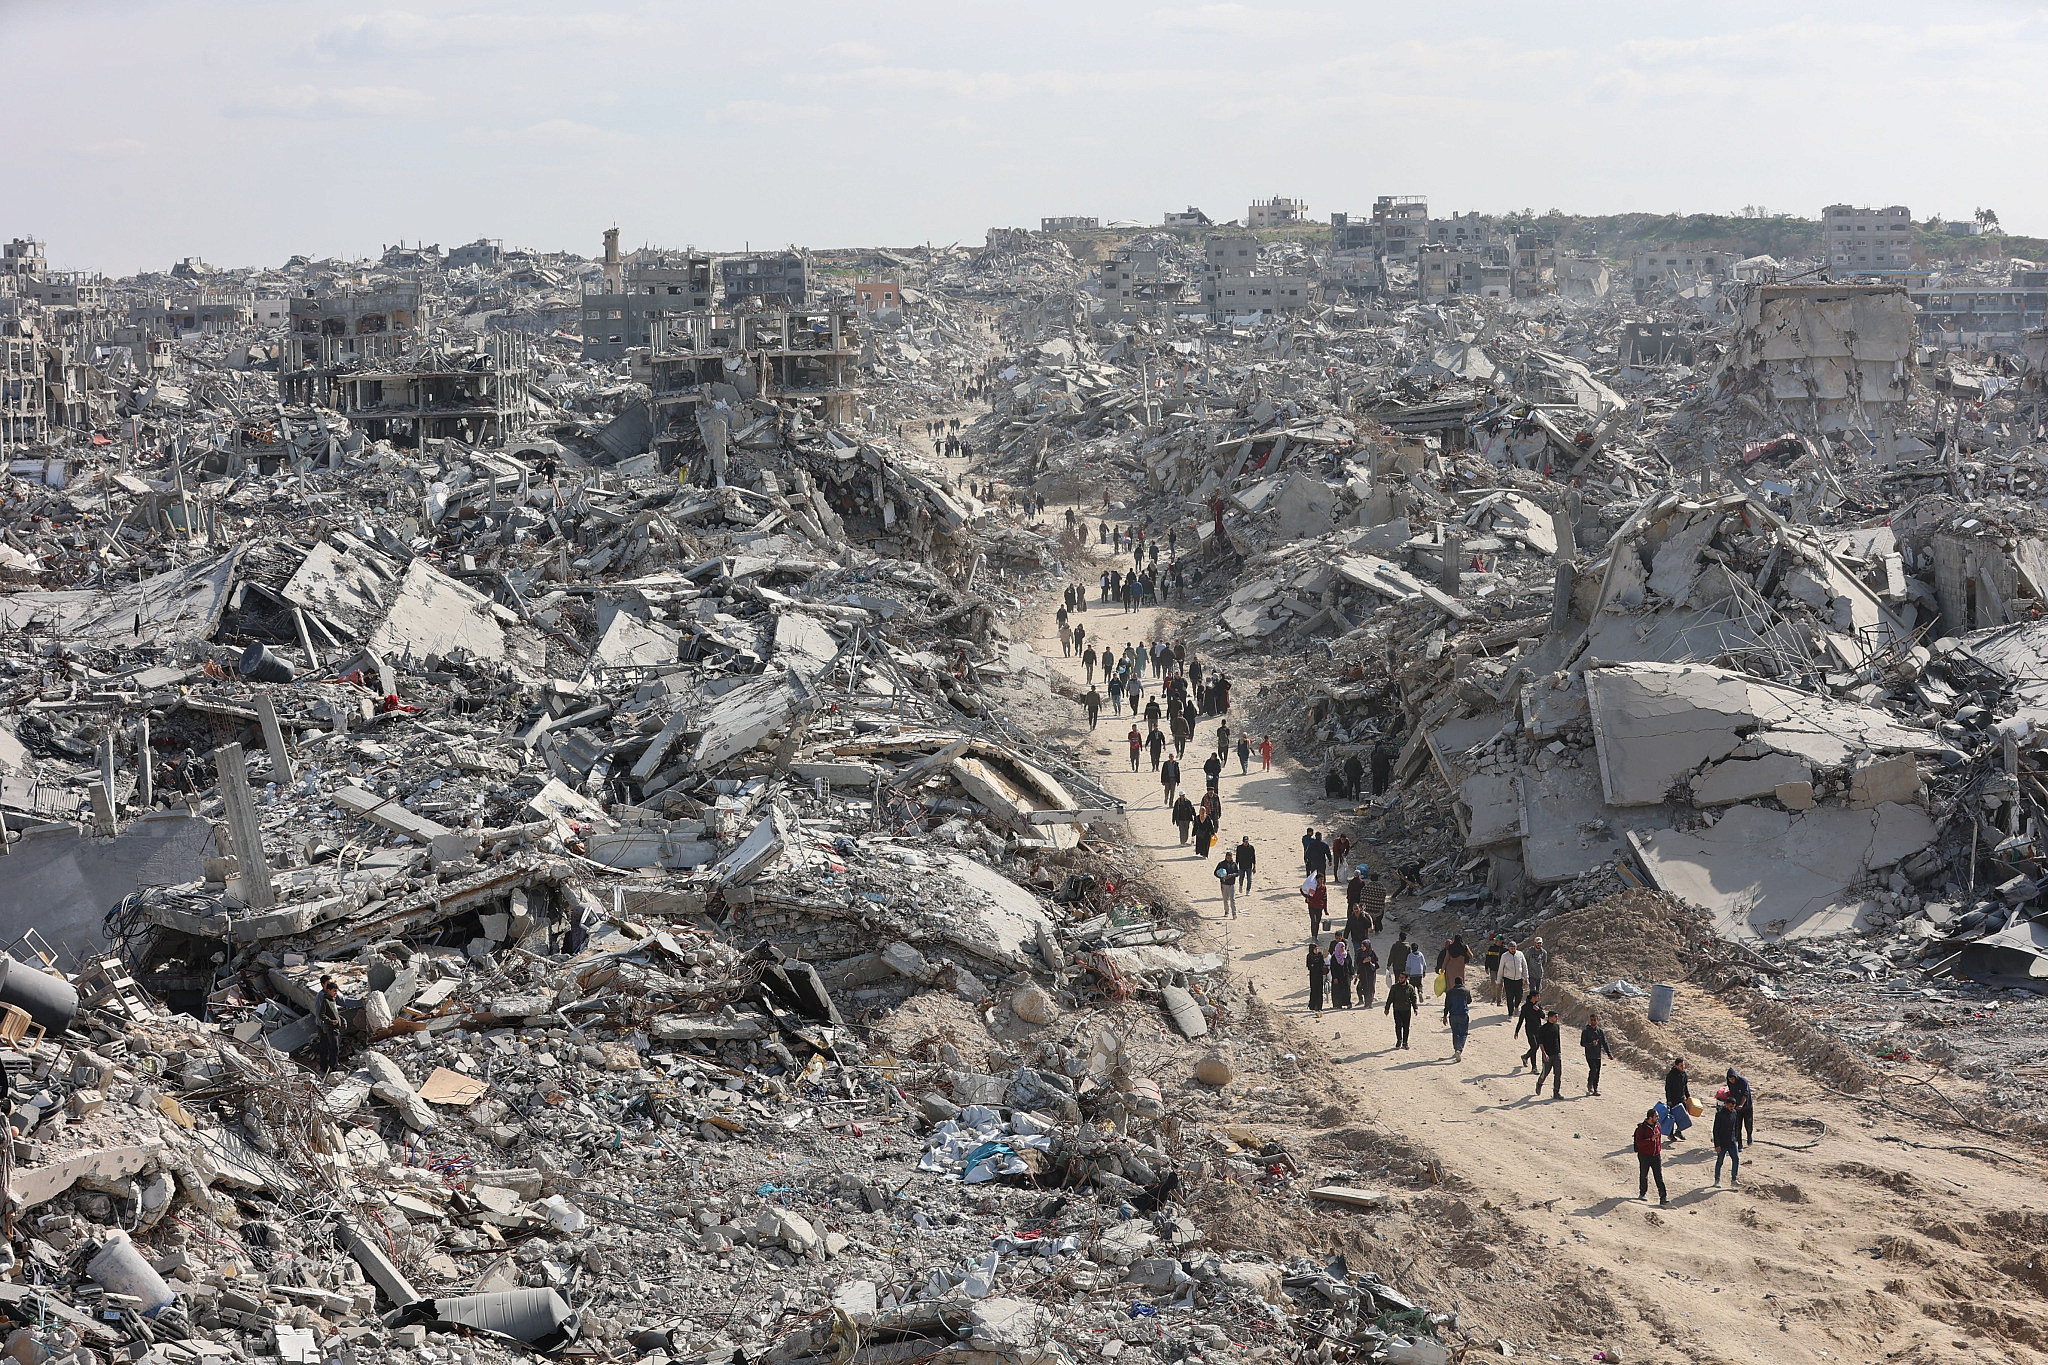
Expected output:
(1780, 1270)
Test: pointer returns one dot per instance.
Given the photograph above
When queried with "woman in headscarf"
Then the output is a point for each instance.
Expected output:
(1340, 974)
(1315, 977)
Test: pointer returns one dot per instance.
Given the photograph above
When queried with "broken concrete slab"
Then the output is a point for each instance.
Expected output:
(431, 613)
(1765, 875)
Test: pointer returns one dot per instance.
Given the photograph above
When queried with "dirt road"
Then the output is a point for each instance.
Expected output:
(1856, 1249)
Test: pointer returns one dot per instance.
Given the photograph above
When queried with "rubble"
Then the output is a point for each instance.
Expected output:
(637, 743)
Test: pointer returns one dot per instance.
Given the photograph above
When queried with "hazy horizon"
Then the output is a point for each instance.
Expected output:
(245, 133)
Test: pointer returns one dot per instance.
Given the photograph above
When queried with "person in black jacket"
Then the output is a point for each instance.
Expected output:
(1593, 1042)
(1528, 1023)
(1402, 1000)
(1727, 1138)
(1183, 816)
(1247, 863)
(1677, 1090)
(1550, 1042)
(1169, 781)
(1212, 769)
(1744, 1095)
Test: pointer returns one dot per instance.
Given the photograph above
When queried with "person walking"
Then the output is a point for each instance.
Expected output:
(1152, 715)
(1093, 701)
(1745, 1104)
(1340, 973)
(1550, 1042)
(1316, 964)
(1457, 958)
(1205, 831)
(1088, 664)
(1212, 771)
(1365, 964)
(1528, 1023)
(1494, 949)
(1066, 641)
(1677, 1090)
(1247, 863)
(1308, 850)
(1183, 816)
(1458, 1014)
(1155, 744)
(1137, 743)
(1539, 962)
(1223, 739)
(1340, 851)
(1402, 1002)
(1354, 773)
(1649, 1144)
(1244, 755)
(1266, 754)
(1182, 729)
(1593, 1042)
(1169, 781)
(1415, 967)
(1727, 1137)
(1382, 767)
(1318, 898)
(1514, 978)
(1116, 694)
(1226, 881)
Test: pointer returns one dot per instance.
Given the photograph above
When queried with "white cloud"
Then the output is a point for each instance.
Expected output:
(854, 52)
(335, 101)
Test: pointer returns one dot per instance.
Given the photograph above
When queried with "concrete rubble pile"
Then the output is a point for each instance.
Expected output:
(726, 971)
(1733, 604)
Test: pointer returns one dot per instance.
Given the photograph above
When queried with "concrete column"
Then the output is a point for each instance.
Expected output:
(145, 767)
(245, 830)
(1567, 535)
(273, 739)
(1561, 595)
(1454, 560)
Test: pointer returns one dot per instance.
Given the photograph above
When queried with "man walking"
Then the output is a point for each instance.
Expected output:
(1155, 744)
(1093, 701)
(1314, 853)
(1402, 1001)
(1550, 1043)
(1539, 962)
(1528, 1023)
(1514, 977)
(1728, 1138)
(1593, 1042)
(1137, 743)
(1744, 1095)
(1226, 880)
(1183, 815)
(1458, 1014)
(1649, 1144)
(1247, 863)
(1169, 780)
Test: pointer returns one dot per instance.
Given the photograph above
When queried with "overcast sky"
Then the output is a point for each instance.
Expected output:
(245, 132)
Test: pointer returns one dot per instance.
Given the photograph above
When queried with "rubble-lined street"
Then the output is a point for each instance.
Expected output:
(1018, 801)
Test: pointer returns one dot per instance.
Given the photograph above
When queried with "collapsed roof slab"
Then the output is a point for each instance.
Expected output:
(1568, 829)
(431, 613)
(1657, 724)
(182, 606)
(1764, 875)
